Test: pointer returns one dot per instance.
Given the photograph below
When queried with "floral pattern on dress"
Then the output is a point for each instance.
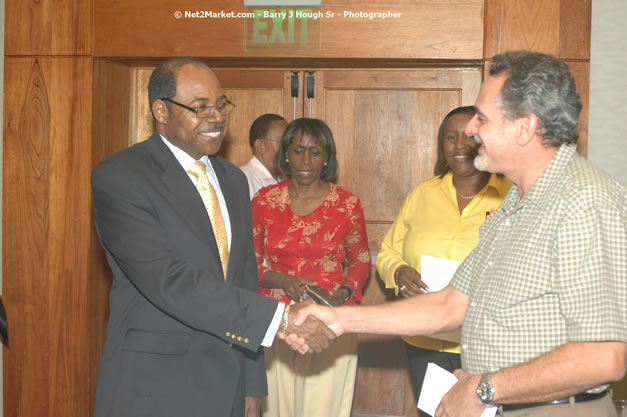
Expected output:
(312, 246)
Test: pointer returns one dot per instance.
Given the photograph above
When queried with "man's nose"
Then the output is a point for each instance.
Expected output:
(471, 126)
(217, 116)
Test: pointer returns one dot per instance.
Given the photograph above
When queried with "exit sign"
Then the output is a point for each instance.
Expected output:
(283, 30)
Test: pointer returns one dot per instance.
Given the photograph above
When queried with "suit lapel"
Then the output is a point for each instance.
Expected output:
(182, 193)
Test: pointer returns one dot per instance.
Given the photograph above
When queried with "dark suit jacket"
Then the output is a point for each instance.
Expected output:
(173, 317)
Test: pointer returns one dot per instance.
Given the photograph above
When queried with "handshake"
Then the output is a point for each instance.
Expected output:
(309, 328)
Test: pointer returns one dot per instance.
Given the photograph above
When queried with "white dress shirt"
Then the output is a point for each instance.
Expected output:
(257, 174)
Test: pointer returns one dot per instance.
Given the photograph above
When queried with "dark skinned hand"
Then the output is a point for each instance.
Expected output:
(253, 406)
(410, 282)
(335, 298)
(313, 332)
(290, 285)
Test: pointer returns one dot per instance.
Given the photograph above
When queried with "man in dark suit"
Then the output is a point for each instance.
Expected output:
(183, 339)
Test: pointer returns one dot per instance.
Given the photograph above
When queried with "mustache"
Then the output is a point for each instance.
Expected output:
(214, 126)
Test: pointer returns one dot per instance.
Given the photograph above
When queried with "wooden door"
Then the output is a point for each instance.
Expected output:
(254, 92)
(385, 125)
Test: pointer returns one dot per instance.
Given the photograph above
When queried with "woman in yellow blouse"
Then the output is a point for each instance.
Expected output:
(440, 217)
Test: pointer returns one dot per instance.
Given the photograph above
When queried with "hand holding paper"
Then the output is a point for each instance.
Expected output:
(456, 397)
(437, 272)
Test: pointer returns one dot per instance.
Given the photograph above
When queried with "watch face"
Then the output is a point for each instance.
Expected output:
(485, 391)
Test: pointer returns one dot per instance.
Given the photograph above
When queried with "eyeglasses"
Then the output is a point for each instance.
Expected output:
(224, 107)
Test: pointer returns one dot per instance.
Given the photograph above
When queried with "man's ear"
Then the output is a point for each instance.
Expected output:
(160, 111)
(526, 128)
(258, 147)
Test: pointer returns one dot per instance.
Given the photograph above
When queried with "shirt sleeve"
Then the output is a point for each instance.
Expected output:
(268, 339)
(591, 266)
(390, 258)
(356, 243)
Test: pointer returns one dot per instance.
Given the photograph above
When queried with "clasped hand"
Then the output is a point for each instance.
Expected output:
(308, 334)
(306, 314)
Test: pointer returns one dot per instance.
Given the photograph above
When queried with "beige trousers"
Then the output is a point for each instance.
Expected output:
(603, 407)
(313, 385)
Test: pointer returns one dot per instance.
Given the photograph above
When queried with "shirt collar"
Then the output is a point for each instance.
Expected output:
(542, 192)
(183, 157)
(494, 183)
(258, 165)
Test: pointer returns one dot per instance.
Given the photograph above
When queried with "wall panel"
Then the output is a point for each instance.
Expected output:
(424, 29)
(48, 27)
(575, 29)
(555, 27)
(45, 256)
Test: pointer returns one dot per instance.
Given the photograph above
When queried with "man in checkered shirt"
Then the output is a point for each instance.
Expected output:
(543, 297)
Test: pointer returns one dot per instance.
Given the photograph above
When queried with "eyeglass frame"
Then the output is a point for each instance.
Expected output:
(199, 108)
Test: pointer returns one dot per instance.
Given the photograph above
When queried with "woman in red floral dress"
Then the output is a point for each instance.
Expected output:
(305, 228)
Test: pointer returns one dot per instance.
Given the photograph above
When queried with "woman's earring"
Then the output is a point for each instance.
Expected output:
(287, 161)
(325, 163)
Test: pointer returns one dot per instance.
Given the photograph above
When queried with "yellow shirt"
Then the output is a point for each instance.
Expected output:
(429, 223)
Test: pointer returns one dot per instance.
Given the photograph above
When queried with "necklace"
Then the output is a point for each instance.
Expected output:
(465, 197)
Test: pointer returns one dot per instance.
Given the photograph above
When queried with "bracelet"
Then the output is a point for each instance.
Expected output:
(286, 315)
(396, 275)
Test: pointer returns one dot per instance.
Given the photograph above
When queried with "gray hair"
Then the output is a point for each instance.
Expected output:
(543, 85)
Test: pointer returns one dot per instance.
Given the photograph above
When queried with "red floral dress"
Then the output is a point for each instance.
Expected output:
(312, 246)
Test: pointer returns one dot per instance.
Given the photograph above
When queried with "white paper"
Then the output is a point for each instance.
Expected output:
(437, 383)
(437, 272)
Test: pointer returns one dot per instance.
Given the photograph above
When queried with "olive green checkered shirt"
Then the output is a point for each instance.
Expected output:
(549, 269)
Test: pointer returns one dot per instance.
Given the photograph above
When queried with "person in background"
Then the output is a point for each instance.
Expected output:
(265, 138)
(543, 297)
(303, 229)
(440, 217)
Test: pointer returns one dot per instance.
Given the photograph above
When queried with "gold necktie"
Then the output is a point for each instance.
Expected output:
(210, 198)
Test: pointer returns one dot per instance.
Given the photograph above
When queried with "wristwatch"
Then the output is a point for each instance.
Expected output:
(350, 293)
(485, 391)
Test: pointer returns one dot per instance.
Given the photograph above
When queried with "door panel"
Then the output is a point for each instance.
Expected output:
(385, 125)
(254, 92)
